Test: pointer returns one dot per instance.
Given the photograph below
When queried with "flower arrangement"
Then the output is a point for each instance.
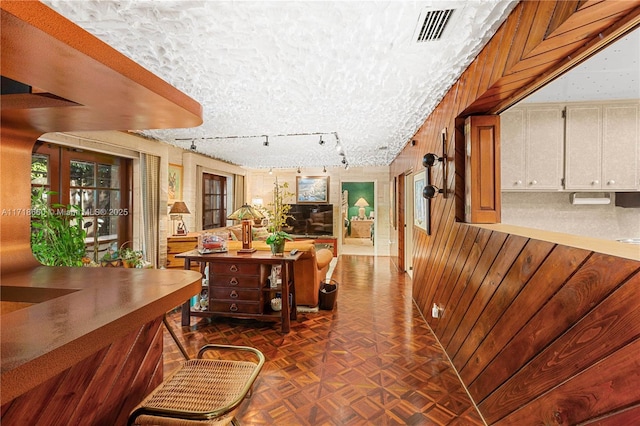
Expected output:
(278, 213)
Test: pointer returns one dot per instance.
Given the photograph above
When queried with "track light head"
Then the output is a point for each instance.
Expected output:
(193, 145)
(266, 141)
(321, 141)
(344, 160)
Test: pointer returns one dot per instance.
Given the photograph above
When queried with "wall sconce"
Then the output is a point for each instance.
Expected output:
(430, 191)
(429, 160)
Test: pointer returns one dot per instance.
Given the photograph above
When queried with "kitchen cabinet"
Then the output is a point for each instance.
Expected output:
(602, 146)
(532, 138)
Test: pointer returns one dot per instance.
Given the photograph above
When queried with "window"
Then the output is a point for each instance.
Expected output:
(99, 183)
(214, 207)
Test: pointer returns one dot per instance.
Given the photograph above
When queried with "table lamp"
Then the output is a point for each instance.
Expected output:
(247, 215)
(362, 203)
(177, 210)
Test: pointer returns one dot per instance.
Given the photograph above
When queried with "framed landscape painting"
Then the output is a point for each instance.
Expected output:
(312, 189)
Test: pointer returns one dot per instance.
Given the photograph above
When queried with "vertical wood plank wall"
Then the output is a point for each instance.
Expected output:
(540, 333)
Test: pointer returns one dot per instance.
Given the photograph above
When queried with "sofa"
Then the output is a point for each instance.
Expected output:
(309, 270)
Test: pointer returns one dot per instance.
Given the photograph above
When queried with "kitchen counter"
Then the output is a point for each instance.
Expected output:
(54, 317)
(610, 247)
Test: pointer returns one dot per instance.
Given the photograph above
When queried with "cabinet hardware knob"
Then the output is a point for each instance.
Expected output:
(534, 182)
(233, 268)
(234, 294)
(611, 182)
(233, 307)
(233, 281)
(595, 182)
(518, 182)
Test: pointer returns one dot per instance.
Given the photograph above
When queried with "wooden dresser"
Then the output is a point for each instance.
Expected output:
(180, 244)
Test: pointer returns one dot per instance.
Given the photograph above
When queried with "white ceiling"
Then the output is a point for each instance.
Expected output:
(613, 73)
(347, 69)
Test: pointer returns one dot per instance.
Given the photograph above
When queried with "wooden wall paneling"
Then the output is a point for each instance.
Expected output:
(591, 283)
(438, 259)
(454, 244)
(504, 261)
(468, 248)
(609, 385)
(402, 224)
(450, 323)
(90, 391)
(527, 264)
(610, 326)
(628, 416)
(487, 370)
(546, 38)
(521, 35)
(465, 300)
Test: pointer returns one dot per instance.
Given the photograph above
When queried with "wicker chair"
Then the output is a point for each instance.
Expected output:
(201, 391)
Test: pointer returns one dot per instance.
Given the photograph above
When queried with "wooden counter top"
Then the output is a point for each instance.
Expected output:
(75, 312)
(613, 248)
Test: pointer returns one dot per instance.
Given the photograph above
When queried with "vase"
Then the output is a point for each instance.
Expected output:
(277, 248)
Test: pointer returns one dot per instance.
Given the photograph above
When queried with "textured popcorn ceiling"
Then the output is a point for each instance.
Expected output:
(340, 68)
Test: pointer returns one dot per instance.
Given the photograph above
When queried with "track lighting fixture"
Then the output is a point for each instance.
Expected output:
(271, 171)
(193, 145)
(344, 160)
(298, 170)
(266, 141)
(324, 169)
(321, 141)
(346, 166)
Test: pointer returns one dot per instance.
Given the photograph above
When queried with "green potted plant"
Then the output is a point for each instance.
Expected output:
(57, 232)
(278, 215)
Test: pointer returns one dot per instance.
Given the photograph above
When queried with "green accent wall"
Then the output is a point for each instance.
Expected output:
(357, 190)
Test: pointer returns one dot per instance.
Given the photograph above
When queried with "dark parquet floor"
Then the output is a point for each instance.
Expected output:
(371, 361)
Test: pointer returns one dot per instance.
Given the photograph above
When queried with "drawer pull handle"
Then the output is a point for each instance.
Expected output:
(233, 307)
(234, 294)
(233, 281)
(233, 268)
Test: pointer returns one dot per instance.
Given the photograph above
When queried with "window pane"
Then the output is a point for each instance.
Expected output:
(83, 198)
(108, 226)
(108, 176)
(82, 173)
(39, 169)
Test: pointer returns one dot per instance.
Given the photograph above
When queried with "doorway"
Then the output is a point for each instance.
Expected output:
(358, 214)
(408, 224)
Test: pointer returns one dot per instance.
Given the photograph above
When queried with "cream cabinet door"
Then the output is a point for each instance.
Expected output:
(532, 141)
(545, 139)
(512, 141)
(620, 146)
(583, 157)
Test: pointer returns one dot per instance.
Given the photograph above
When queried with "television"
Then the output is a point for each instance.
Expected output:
(310, 220)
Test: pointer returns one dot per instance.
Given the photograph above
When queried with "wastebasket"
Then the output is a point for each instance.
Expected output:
(328, 293)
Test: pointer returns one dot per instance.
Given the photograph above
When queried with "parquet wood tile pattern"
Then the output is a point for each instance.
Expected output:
(373, 360)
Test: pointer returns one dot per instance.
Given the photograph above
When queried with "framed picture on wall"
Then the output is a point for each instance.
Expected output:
(419, 203)
(312, 189)
(392, 203)
(175, 183)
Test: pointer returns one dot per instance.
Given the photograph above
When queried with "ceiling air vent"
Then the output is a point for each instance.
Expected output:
(431, 24)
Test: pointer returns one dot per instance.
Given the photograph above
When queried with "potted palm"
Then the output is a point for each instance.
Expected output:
(278, 215)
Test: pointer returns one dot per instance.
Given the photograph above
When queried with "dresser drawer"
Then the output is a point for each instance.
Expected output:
(235, 268)
(230, 307)
(235, 281)
(235, 294)
(175, 247)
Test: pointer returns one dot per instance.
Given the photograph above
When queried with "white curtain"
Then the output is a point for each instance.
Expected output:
(150, 193)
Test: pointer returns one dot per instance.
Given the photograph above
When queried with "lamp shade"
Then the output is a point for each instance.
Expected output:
(179, 207)
(362, 203)
(246, 212)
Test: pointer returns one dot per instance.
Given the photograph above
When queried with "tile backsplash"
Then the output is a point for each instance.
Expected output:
(552, 211)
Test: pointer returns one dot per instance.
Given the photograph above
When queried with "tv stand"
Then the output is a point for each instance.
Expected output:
(322, 241)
